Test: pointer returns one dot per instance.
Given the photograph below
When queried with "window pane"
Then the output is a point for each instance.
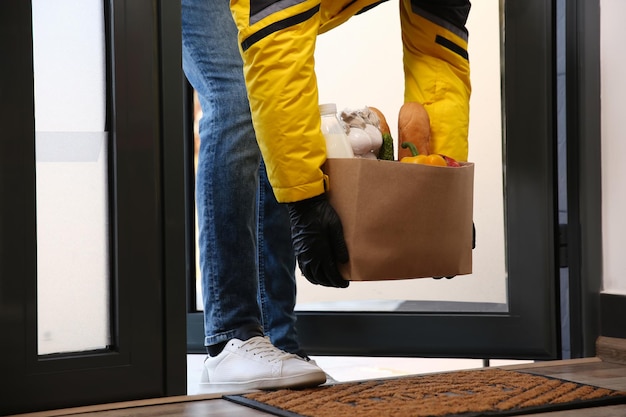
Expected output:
(71, 163)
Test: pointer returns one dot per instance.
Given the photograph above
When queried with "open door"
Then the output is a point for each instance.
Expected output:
(93, 229)
(509, 307)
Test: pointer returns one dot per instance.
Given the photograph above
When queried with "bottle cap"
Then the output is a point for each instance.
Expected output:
(328, 108)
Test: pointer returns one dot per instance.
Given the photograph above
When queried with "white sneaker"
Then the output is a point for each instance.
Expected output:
(257, 364)
(329, 379)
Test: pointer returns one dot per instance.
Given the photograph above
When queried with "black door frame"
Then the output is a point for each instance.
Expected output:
(149, 224)
(584, 160)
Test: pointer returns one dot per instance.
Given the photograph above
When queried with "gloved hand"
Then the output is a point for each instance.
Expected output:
(318, 241)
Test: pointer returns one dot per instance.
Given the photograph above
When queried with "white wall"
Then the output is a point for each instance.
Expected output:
(613, 68)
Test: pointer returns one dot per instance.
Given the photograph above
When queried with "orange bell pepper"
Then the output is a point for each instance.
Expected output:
(432, 159)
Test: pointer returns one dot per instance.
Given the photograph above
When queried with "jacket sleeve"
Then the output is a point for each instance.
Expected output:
(277, 47)
(436, 69)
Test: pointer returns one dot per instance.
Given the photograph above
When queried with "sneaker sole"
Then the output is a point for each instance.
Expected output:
(295, 381)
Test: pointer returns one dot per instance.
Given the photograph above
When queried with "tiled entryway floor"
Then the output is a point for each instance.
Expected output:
(350, 368)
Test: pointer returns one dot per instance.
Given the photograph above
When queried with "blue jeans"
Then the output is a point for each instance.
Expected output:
(246, 256)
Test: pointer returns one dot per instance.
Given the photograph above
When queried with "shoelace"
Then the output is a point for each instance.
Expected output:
(264, 349)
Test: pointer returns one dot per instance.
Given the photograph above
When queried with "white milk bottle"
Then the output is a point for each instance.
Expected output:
(337, 145)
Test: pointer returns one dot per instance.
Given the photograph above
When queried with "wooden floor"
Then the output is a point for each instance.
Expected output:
(592, 371)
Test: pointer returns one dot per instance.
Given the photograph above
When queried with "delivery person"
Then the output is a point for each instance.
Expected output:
(277, 42)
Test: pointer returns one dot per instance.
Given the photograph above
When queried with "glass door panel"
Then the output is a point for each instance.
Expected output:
(373, 76)
(72, 175)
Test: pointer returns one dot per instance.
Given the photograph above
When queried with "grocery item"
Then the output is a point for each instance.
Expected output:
(363, 132)
(337, 145)
(417, 158)
(386, 149)
(414, 127)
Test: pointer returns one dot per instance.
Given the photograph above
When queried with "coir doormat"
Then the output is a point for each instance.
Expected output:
(484, 392)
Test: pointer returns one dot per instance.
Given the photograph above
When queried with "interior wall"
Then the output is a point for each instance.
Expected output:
(613, 91)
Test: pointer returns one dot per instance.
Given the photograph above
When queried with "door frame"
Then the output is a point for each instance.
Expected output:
(584, 162)
(149, 224)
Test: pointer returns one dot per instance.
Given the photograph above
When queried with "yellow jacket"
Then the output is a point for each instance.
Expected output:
(277, 41)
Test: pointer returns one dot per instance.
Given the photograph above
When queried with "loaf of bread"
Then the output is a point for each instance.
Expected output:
(386, 149)
(414, 127)
(383, 126)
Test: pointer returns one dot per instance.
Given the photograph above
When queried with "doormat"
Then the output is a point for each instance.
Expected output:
(483, 392)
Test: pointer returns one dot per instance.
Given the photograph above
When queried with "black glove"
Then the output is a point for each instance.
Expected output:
(318, 241)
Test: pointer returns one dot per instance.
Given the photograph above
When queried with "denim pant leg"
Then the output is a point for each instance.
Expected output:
(227, 173)
(277, 266)
(228, 197)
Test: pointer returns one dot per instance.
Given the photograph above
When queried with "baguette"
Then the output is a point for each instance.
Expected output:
(414, 127)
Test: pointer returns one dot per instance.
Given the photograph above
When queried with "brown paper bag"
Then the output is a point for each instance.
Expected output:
(403, 220)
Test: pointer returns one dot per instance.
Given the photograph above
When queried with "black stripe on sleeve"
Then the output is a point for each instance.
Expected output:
(275, 27)
(447, 43)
